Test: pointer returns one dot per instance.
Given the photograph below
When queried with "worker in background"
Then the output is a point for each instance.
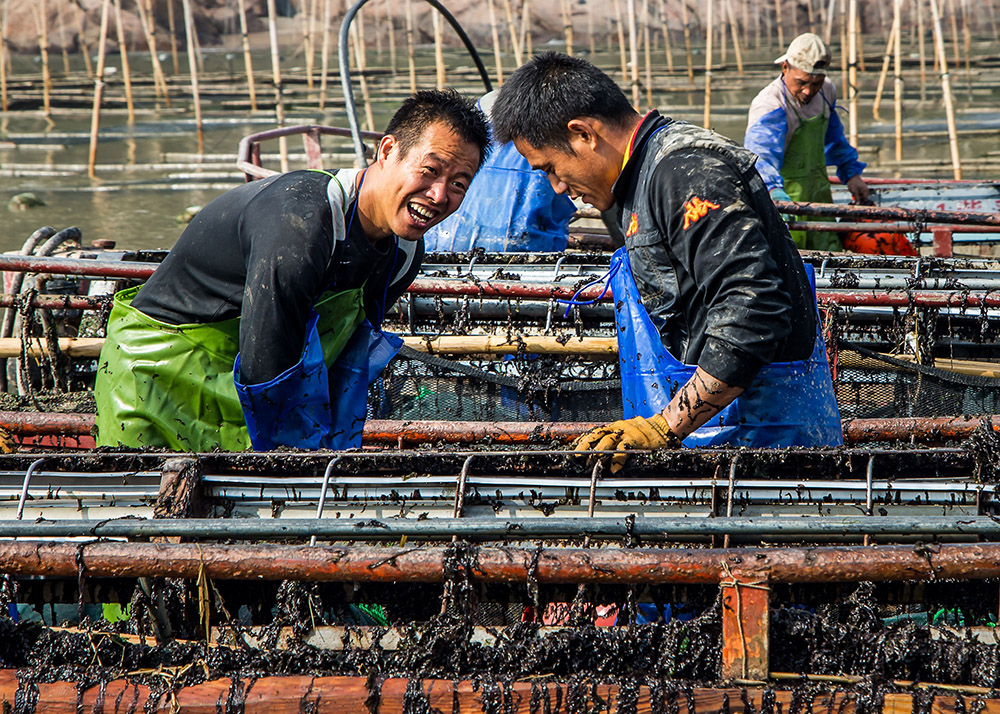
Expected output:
(795, 131)
(262, 326)
(718, 334)
(530, 216)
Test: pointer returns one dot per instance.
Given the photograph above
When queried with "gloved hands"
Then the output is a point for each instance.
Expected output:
(635, 433)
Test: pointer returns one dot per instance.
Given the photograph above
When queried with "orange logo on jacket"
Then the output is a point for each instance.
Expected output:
(633, 226)
(695, 209)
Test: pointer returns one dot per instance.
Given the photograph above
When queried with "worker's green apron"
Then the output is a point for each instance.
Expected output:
(161, 385)
(804, 172)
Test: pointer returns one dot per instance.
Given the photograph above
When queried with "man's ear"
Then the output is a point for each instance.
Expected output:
(584, 130)
(386, 146)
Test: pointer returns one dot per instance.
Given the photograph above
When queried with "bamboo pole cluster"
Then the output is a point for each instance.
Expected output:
(634, 30)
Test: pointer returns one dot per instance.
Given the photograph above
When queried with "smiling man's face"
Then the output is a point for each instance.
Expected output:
(425, 185)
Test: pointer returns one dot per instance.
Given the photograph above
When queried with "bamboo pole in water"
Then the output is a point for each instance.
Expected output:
(193, 68)
(442, 78)
(590, 28)
(3, 54)
(362, 64)
(844, 57)
(324, 60)
(687, 41)
(811, 15)
(526, 29)
(63, 42)
(898, 79)
(307, 40)
(95, 119)
(861, 43)
(84, 49)
(778, 24)
(949, 107)
(42, 22)
(494, 32)
(515, 42)
(620, 22)
(830, 12)
(886, 59)
(279, 101)
(852, 73)
(172, 27)
(247, 59)
(391, 21)
(923, 49)
(665, 28)
(159, 80)
(709, 30)
(966, 44)
(949, 6)
(123, 53)
(411, 61)
(633, 52)
(564, 13)
(646, 53)
(723, 49)
(736, 37)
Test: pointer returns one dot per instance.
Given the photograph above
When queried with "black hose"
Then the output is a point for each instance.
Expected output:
(345, 68)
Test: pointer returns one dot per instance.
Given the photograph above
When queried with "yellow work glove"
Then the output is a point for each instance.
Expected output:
(635, 433)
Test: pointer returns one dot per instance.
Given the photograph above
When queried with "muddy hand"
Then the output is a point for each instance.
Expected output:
(625, 434)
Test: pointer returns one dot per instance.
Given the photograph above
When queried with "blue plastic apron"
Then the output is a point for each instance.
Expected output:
(313, 404)
(788, 404)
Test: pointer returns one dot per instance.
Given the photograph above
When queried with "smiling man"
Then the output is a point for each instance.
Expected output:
(717, 325)
(261, 327)
(794, 128)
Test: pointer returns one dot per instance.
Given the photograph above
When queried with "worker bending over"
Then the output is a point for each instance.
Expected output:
(717, 325)
(262, 326)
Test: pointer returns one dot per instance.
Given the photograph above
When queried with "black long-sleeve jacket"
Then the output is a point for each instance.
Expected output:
(264, 252)
(715, 266)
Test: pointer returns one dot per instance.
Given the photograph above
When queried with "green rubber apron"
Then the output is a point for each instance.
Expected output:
(804, 172)
(162, 385)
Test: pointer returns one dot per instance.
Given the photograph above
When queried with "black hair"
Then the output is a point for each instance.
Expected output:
(551, 89)
(431, 105)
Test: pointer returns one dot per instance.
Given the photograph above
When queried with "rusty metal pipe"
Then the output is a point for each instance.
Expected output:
(389, 431)
(499, 288)
(57, 302)
(888, 212)
(501, 565)
(76, 266)
(842, 227)
(901, 298)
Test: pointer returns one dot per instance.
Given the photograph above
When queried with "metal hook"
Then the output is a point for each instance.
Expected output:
(24, 488)
(322, 493)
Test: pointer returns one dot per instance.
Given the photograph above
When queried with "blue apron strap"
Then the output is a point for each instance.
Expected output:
(606, 278)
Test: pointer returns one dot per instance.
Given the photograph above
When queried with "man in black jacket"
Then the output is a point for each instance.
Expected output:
(261, 327)
(710, 291)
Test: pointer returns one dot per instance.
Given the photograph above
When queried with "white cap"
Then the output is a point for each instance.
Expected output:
(808, 53)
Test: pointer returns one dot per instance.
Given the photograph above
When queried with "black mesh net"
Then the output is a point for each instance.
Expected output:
(517, 388)
(879, 386)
